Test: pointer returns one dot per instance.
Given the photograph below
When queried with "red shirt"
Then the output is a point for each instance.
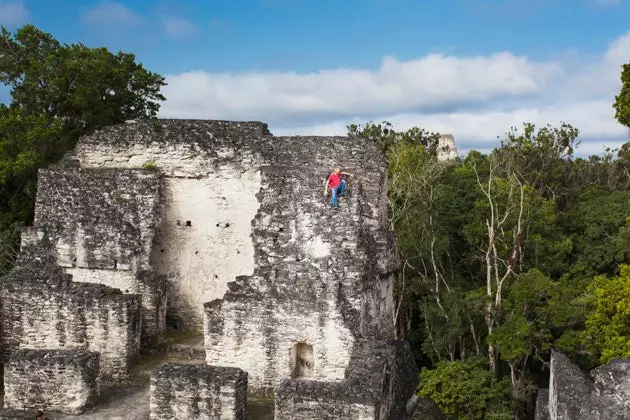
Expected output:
(334, 180)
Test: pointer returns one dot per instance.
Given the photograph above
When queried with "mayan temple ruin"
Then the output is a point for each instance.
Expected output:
(215, 229)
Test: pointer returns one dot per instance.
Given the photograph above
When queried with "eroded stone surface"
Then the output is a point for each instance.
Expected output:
(573, 394)
(58, 380)
(102, 223)
(235, 222)
(185, 391)
(41, 308)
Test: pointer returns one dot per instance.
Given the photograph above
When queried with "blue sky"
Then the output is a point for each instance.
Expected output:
(470, 67)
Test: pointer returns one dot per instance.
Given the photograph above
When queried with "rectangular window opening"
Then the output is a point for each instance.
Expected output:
(302, 360)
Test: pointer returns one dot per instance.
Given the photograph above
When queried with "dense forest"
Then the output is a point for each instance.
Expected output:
(505, 255)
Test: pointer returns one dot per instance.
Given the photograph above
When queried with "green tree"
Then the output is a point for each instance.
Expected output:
(59, 92)
(608, 325)
(466, 390)
(27, 141)
(385, 135)
(526, 331)
(541, 157)
(498, 249)
(622, 101)
(86, 88)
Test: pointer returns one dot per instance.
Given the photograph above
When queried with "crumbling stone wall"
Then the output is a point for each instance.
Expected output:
(103, 222)
(236, 221)
(379, 381)
(210, 179)
(246, 228)
(41, 308)
(317, 281)
(58, 380)
(198, 392)
(604, 393)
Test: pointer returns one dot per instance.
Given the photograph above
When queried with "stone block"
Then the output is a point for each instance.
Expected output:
(198, 392)
(601, 394)
(41, 308)
(55, 380)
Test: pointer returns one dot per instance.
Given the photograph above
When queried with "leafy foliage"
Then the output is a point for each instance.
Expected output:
(466, 390)
(503, 257)
(86, 87)
(622, 101)
(58, 92)
(608, 325)
(385, 135)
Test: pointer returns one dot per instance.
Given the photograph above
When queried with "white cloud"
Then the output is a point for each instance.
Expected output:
(178, 27)
(112, 14)
(13, 13)
(474, 98)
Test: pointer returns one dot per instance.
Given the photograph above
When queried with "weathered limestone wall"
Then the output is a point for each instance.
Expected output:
(41, 308)
(103, 224)
(57, 380)
(243, 226)
(198, 392)
(241, 204)
(200, 259)
(317, 281)
(573, 394)
(379, 381)
(542, 405)
(102, 218)
(210, 179)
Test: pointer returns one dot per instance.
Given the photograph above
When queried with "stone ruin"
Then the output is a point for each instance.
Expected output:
(447, 150)
(217, 227)
(602, 394)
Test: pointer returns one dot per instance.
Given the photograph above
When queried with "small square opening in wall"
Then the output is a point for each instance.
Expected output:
(188, 223)
(302, 360)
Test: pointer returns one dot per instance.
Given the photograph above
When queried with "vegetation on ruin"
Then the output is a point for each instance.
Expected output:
(507, 255)
(59, 92)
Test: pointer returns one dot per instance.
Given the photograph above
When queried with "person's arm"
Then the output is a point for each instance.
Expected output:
(326, 185)
(347, 173)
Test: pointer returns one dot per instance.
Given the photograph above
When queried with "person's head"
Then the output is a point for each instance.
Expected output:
(40, 414)
(337, 171)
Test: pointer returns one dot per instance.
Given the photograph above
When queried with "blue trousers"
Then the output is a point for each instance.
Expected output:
(339, 189)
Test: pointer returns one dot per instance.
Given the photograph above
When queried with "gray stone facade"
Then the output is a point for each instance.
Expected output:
(198, 392)
(221, 228)
(102, 222)
(57, 380)
(604, 393)
(41, 308)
